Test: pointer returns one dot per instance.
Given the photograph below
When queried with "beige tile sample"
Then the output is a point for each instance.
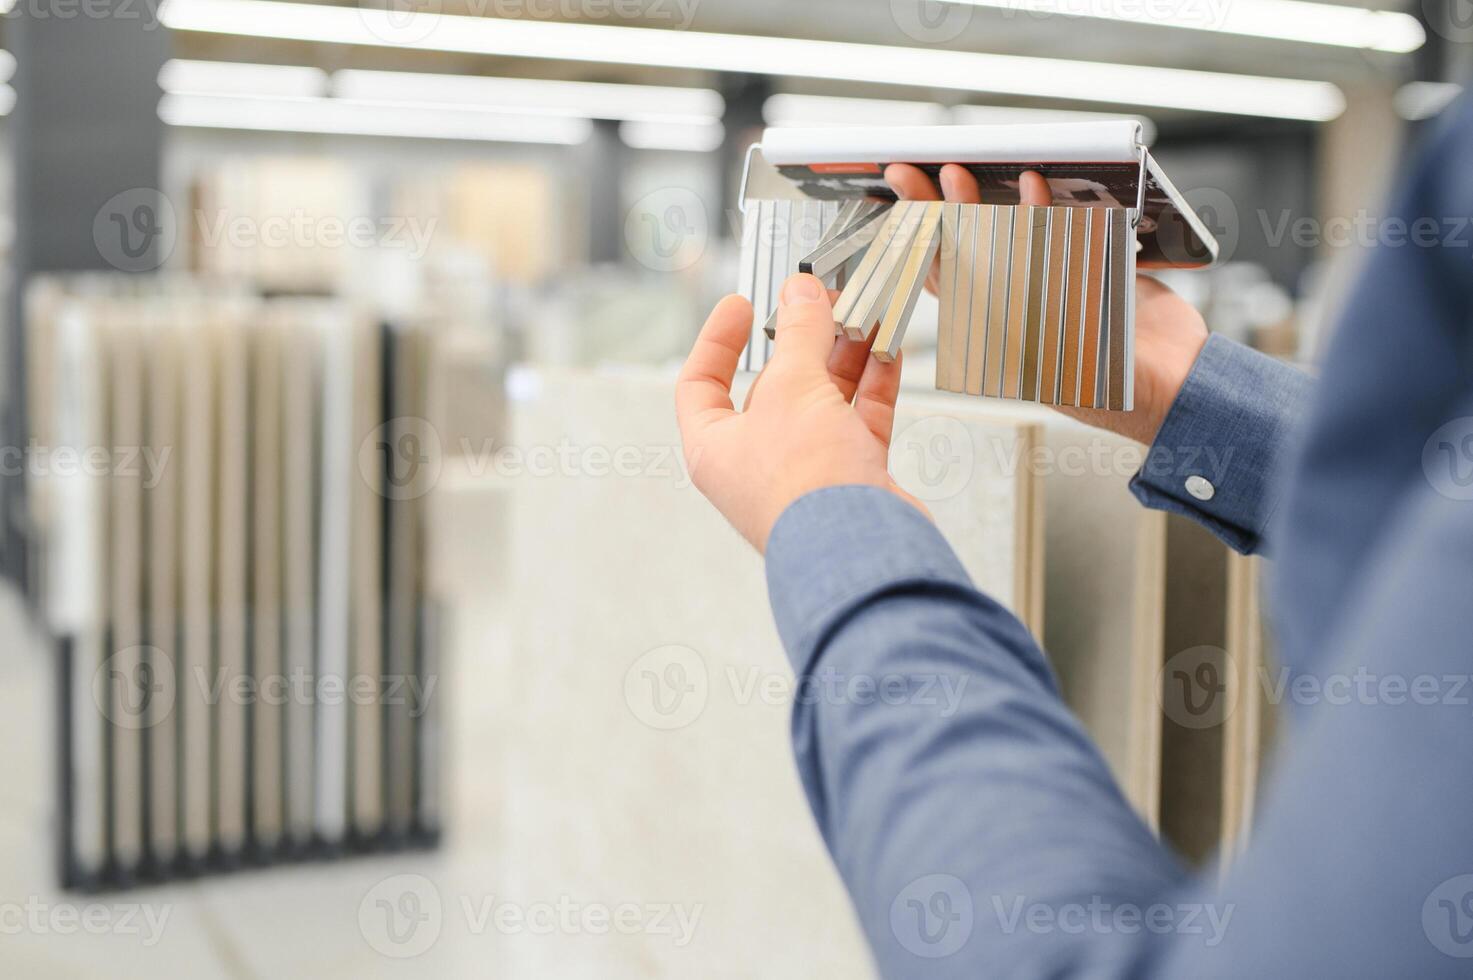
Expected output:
(1106, 591)
(1249, 730)
(1194, 690)
(702, 765)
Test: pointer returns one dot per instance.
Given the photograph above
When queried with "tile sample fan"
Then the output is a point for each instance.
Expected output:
(1036, 303)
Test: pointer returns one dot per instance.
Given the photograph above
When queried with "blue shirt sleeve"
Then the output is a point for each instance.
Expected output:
(951, 783)
(979, 832)
(1219, 457)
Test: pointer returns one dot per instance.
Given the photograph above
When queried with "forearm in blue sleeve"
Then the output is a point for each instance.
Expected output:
(943, 768)
(1220, 455)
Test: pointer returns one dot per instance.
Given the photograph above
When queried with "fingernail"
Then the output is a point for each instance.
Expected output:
(802, 289)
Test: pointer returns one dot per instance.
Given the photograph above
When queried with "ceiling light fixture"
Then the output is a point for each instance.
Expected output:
(1074, 81)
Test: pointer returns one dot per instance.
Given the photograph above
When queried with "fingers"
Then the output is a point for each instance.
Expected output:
(1033, 189)
(847, 363)
(875, 399)
(703, 391)
(959, 186)
(805, 322)
(910, 183)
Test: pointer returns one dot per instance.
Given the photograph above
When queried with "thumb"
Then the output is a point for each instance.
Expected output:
(805, 321)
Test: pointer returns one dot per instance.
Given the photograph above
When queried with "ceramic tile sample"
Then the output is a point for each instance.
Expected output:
(1194, 690)
(665, 681)
(969, 464)
(1106, 592)
(1249, 730)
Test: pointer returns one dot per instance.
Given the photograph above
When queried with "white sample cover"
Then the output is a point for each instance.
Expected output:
(1075, 142)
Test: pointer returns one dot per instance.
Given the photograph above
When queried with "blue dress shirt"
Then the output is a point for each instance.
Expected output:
(976, 826)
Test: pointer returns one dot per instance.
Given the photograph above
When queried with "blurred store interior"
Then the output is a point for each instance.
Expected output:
(504, 221)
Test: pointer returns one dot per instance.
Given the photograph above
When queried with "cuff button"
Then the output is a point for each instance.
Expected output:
(1201, 488)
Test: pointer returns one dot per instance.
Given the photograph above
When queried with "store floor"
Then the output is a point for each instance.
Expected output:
(284, 922)
(579, 843)
(402, 915)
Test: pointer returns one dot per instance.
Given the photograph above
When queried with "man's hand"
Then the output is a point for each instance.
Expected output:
(820, 415)
(1169, 333)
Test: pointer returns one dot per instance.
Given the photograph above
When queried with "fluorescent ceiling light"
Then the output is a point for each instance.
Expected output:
(693, 138)
(7, 65)
(235, 78)
(1416, 101)
(249, 96)
(826, 110)
(974, 115)
(355, 118)
(1284, 20)
(1073, 81)
(587, 100)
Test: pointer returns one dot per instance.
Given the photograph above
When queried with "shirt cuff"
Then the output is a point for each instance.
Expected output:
(837, 547)
(1216, 457)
